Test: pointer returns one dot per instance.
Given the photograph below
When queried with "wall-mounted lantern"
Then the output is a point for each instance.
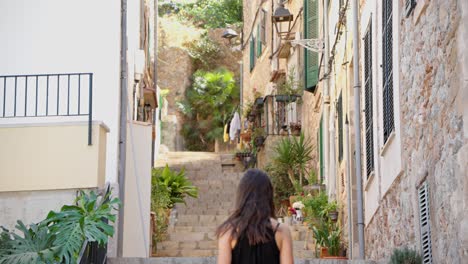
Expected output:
(282, 15)
(229, 34)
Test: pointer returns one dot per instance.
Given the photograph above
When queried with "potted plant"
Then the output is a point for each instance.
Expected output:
(258, 136)
(246, 136)
(295, 128)
(259, 101)
(331, 210)
(405, 255)
(288, 91)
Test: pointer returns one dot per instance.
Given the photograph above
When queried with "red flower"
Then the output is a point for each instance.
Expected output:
(292, 210)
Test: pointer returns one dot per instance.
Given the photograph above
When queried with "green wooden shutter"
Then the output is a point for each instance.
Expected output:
(311, 31)
(252, 53)
(259, 41)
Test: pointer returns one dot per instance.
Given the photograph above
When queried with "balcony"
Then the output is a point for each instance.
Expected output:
(48, 138)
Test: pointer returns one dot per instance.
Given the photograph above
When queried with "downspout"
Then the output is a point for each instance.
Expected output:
(326, 95)
(155, 82)
(123, 122)
(332, 159)
(349, 189)
(357, 127)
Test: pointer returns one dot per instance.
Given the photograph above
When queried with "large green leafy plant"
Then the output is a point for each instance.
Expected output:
(59, 238)
(175, 184)
(168, 188)
(293, 156)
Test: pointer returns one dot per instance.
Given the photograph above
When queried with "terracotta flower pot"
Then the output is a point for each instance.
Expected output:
(323, 252)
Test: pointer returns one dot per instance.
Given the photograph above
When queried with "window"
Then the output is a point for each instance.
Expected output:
(259, 41)
(425, 225)
(409, 6)
(368, 101)
(320, 149)
(311, 31)
(339, 109)
(263, 27)
(387, 65)
(252, 53)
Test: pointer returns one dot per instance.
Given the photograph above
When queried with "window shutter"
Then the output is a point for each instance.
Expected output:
(424, 220)
(340, 128)
(252, 53)
(259, 41)
(322, 162)
(311, 32)
(387, 67)
(263, 27)
(409, 6)
(368, 101)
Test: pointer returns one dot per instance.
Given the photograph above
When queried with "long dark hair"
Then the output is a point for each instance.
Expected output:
(254, 208)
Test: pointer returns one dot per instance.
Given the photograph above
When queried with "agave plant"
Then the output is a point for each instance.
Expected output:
(294, 155)
(178, 186)
(59, 238)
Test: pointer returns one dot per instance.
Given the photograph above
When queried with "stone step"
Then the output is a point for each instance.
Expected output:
(212, 260)
(176, 245)
(186, 253)
(204, 211)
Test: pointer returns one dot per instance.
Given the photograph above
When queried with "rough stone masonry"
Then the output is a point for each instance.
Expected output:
(434, 102)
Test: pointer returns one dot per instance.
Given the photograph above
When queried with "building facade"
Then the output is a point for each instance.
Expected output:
(60, 128)
(413, 110)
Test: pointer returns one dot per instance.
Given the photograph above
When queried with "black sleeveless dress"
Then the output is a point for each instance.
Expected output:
(265, 253)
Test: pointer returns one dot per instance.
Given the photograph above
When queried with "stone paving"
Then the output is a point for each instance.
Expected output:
(192, 234)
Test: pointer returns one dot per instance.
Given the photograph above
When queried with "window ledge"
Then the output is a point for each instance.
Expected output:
(369, 181)
(418, 10)
(387, 144)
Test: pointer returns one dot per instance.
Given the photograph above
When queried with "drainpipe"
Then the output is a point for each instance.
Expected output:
(326, 94)
(332, 159)
(123, 122)
(349, 189)
(357, 127)
(155, 82)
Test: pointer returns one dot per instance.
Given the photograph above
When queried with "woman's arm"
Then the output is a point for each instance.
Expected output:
(225, 249)
(286, 246)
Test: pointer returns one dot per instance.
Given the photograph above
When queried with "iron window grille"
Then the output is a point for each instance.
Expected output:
(409, 6)
(368, 101)
(387, 56)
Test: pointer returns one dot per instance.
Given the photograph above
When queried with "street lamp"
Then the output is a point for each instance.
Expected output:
(282, 15)
(229, 34)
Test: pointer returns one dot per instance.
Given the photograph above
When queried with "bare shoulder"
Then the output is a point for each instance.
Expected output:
(282, 228)
(226, 235)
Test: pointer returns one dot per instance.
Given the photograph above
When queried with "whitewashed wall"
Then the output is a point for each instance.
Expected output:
(62, 36)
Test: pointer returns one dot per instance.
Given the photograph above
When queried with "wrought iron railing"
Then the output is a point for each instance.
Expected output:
(281, 114)
(47, 95)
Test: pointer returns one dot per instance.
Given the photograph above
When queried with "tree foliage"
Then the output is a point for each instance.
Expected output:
(209, 103)
(205, 52)
(212, 13)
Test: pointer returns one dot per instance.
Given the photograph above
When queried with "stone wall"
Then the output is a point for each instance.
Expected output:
(433, 93)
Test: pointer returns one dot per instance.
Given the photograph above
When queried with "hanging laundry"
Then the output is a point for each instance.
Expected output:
(226, 135)
(235, 126)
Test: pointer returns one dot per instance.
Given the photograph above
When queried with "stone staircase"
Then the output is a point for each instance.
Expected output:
(192, 232)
